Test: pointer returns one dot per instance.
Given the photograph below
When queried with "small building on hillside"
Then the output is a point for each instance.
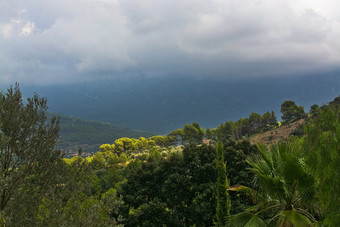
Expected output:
(206, 141)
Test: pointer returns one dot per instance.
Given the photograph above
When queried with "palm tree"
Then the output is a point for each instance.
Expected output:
(286, 189)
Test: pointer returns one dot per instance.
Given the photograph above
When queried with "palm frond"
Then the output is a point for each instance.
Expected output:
(266, 155)
(287, 188)
(247, 220)
(293, 218)
(252, 193)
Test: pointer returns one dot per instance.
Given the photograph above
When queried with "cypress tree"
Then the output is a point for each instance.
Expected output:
(223, 201)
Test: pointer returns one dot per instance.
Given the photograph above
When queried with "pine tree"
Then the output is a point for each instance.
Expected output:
(27, 143)
(223, 201)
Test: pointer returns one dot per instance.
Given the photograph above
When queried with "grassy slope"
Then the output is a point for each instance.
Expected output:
(89, 135)
(277, 134)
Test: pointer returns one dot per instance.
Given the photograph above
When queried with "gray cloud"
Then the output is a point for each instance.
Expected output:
(68, 41)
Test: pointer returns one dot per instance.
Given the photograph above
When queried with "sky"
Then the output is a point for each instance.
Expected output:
(46, 42)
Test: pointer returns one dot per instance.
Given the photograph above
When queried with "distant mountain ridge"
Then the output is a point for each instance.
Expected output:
(161, 105)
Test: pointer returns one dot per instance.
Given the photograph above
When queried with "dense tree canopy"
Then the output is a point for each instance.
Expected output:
(181, 188)
(244, 127)
(322, 149)
(189, 134)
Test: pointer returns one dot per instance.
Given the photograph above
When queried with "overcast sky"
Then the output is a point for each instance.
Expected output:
(67, 41)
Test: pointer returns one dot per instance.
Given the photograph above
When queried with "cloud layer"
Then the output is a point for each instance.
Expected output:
(67, 41)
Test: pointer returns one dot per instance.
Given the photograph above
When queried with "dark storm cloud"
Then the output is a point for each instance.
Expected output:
(68, 41)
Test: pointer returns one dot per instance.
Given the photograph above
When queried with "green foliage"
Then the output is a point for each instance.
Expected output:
(286, 192)
(246, 219)
(299, 131)
(191, 134)
(155, 155)
(314, 111)
(84, 197)
(336, 101)
(37, 187)
(180, 188)
(27, 156)
(268, 120)
(2, 222)
(209, 134)
(162, 141)
(147, 182)
(89, 134)
(226, 131)
(127, 145)
(291, 112)
(143, 144)
(245, 126)
(322, 147)
(154, 213)
(255, 121)
(123, 158)
(107, 148)
(223, 201)
(176, 136)
(97, 161)
(238, 171)
(131, 146)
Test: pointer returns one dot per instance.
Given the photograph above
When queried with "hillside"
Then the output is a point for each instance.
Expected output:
(129, 180)
(88, 135)
(162, 105)
(277, 134)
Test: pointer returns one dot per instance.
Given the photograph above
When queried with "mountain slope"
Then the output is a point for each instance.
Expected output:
(161, 105)
(88, 135)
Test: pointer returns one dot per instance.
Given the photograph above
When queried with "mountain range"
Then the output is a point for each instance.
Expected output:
(160, 105)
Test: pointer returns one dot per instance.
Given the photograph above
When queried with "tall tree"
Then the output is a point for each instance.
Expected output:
(27, 143)
(322, 149)
(255, 121)
(193, 134)
(225, 131)
(269, 120)
(238, 171)
(292, 112)
(176, 136)
(223, 201)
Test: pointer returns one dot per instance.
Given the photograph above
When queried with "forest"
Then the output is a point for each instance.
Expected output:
(190, 177)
